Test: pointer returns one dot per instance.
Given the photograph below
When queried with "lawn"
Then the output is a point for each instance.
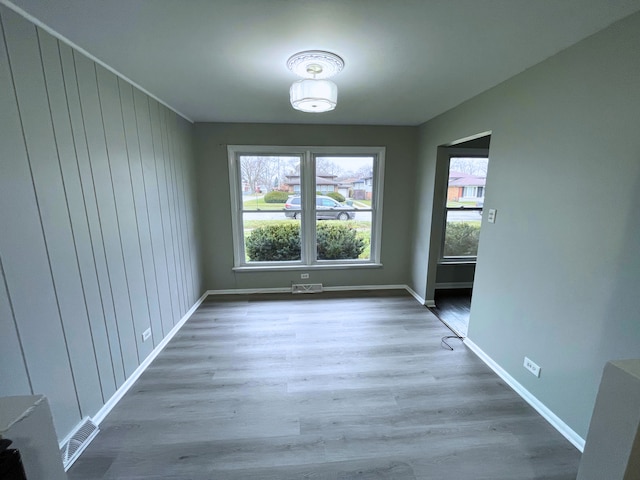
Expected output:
(260, 204)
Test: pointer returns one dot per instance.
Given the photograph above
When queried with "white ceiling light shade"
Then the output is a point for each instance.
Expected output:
(310, 95)
(314, 93)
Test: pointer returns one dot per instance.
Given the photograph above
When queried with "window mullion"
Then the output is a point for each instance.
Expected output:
(309, 209)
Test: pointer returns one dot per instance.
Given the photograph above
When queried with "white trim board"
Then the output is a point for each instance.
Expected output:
(555, 421)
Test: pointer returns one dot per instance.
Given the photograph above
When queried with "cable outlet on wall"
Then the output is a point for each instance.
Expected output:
(532, 367)
(304, 275)
(146, 334)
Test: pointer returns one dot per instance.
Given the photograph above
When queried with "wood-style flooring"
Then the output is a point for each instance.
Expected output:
(453, 307)
(322, 387)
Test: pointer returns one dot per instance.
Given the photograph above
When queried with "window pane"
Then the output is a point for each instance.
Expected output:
(465, 199)
(262, 174)
(270, 240)
(467, 177)
(462, 233)
(343, 207)
(270, 207)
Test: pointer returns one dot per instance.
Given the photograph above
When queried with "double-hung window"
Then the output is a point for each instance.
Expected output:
(465, 201)
(306, 207)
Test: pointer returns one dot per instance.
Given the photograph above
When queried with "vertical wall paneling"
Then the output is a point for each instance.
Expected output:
(64, 106)
(190, 186)
(165, 212)
(95, 211)
(98, 284)
(22, 246)
(118, 160)
(154, 215)
(174, 159)
(75, 314)
(184, 228)
(42, 151)
(101, 177)
(141, 208)
(168, 184)
(14, 377)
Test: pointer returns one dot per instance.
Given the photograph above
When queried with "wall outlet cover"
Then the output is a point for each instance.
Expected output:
(532, 366)
(146, 334)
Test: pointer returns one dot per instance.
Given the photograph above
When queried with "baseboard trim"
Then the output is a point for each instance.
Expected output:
(340, 288)
(413, 293)
(249, 291)
(124, 388)
(565, 430)
(364, 287)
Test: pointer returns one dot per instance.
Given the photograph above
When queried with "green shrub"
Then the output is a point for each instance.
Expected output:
(461, 239)
(281, 242)
(338, 241)
(276, 197)
(274, 243)
(336, 196)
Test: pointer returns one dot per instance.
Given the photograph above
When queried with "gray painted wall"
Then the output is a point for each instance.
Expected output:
(215, 208)
(98, 217)
(558, 274)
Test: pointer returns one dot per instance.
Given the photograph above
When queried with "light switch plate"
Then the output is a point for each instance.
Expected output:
(491, 217)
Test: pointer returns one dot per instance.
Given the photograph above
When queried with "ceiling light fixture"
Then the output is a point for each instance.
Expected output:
(314, 93)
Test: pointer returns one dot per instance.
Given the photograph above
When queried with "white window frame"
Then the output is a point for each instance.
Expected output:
(307, 156)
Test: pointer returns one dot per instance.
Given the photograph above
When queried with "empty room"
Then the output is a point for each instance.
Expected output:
(277, 239)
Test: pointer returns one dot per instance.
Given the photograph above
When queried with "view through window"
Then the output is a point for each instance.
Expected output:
(465, 201)
(306, 208)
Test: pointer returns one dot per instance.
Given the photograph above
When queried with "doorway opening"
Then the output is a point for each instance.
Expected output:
(461, 176)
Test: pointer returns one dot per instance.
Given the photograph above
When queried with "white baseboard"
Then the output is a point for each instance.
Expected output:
(420, 300)
(248, 291)
(364, 287)
(124, 388)
(555, 421)
(340, 288)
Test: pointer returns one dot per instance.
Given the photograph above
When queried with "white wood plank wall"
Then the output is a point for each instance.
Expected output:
(97, 233)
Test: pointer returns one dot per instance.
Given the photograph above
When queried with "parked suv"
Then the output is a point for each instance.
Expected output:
(326, 208)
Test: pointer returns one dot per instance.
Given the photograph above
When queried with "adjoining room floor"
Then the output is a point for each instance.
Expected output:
(327, 386)
(453, 307)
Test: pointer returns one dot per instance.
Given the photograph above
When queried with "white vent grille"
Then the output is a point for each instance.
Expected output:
(80, 439)
(306, 288)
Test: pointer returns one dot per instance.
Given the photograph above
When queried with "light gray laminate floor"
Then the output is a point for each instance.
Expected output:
(321, 387)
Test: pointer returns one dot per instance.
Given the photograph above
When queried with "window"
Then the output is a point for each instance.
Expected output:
(465, 200)
(302, 207)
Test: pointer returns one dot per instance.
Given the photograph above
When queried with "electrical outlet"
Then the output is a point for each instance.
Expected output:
(532, 367)
(491, 217)
(146, 334)
(304, 275)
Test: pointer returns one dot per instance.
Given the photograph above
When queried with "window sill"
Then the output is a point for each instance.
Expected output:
(284, 268)
(457, 261)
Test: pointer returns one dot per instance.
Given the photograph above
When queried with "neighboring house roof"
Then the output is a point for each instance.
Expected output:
(459, 179)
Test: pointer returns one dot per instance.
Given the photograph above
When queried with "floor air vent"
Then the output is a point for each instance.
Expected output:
(80, 439)
(306, 288)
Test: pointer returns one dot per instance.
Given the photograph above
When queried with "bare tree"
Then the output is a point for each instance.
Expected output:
(324, 166)
(470, 166)
(255, 170)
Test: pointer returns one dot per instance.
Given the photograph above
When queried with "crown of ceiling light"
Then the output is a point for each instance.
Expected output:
(314, 93)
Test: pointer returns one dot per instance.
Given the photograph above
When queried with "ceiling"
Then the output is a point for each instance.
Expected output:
(406, 61)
